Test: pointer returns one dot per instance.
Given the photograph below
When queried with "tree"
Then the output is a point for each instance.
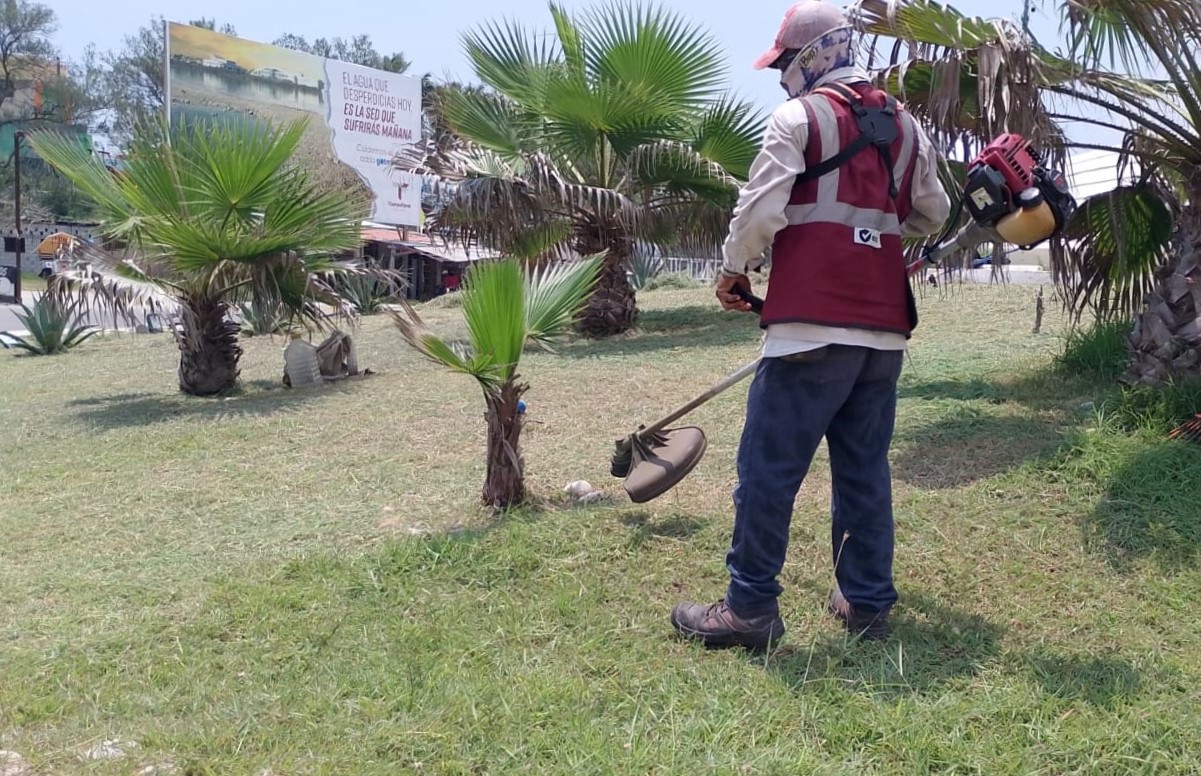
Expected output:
(36, 84)
(74, 94)
(25, 46)
(135, 85)
(1136, 250)
(505, 307)
(38, 87)
(214, 214)
(617, 131)
(358, 50)
(205, 23)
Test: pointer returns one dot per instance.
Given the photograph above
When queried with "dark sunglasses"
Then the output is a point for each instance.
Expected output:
(783, 61)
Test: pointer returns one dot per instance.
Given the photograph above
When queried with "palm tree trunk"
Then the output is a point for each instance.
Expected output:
(208, 348)
(612, 308)
(1165, 342)
(504, 482)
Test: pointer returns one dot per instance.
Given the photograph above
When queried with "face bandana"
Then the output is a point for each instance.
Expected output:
(829, 52)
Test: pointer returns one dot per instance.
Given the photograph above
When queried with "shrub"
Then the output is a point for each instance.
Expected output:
(54, 327)
(367, 294)
(1099, 351)
(263, 319)
(1153, 409)
(447, 301)
(645, 267)
(673, 280)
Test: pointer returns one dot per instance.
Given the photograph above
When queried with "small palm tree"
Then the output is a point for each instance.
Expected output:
(215, 216)
(506, 304)
(613, 130)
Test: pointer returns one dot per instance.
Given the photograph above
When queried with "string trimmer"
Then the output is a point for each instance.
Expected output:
(1010, 196)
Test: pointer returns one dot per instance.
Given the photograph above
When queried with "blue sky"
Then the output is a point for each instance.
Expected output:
(428, 32)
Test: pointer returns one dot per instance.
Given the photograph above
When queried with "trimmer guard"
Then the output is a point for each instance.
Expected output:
(662, 460)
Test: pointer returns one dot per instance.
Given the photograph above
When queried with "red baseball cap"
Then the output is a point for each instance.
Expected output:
(803, 23)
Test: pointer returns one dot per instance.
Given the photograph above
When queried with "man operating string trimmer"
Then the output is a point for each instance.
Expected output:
(839, 310)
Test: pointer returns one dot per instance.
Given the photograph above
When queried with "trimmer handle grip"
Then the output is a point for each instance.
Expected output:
(755, 302)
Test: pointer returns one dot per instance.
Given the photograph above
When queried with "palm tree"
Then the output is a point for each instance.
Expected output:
(506, 304)
(1133, 251)
(613, 130)
(214, 216)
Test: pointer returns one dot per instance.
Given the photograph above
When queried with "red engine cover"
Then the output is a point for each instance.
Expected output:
(1010, 155)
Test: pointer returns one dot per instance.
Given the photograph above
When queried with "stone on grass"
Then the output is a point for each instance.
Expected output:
(582, 492)
(13, 764)
(579, 488)
(166, 768)
(109, 750)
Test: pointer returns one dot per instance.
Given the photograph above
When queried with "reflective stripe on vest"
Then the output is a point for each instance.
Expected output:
(840, 262)
(827, 207)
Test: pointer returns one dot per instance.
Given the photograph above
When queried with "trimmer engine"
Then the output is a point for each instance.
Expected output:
(1009, 190)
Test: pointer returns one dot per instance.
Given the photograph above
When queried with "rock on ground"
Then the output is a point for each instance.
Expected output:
(13, 764)
(109, 750)
(165, 768)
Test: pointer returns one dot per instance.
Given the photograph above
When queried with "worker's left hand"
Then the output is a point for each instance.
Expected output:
(725, 291)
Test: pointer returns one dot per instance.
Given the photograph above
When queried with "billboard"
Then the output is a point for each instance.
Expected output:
(360, 117)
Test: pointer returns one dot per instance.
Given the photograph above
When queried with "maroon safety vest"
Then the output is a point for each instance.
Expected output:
(840, 261)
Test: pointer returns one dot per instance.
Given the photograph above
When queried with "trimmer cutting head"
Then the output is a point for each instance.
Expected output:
(654, 460)
(655, 463)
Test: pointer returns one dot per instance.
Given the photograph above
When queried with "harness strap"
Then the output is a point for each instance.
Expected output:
(877, 126)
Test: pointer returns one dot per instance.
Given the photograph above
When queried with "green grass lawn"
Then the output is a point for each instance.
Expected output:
(301, 582)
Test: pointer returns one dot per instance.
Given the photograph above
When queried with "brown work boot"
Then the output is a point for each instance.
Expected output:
(870, 624)
(718, 627)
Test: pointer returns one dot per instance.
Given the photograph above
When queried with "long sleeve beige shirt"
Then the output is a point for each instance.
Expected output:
(760, 213)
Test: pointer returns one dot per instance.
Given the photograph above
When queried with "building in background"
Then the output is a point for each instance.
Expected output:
(424, 262)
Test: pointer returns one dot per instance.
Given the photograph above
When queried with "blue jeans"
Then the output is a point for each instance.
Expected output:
(848, 395)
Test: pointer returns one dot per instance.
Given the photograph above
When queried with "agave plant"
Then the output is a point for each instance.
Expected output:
(213, 215)
(615, 128)
(55, 326)
(645, 266)
(366, 294)
(506, 304)
(260, 318)
(1133, 251)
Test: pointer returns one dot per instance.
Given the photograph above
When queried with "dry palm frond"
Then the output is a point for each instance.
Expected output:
(119, 284)
(960, 75)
